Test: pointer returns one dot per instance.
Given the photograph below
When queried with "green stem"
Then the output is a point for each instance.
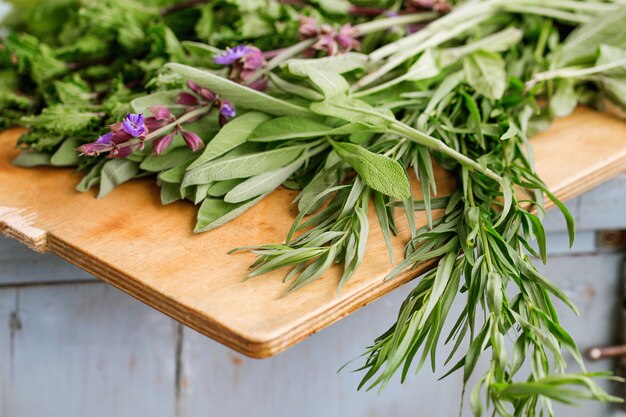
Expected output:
(362, 29)
(577, 72)
(388, 23)
(417, 46)
(439, 146)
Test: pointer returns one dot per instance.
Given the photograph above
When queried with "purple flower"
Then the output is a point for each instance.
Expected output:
(193, 141)
(133, 125)
(94, 148)
(232, 55)
(227, 109)
(162, 143)
(105, 139)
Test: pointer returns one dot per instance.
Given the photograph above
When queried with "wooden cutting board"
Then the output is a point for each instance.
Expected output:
(148, 250)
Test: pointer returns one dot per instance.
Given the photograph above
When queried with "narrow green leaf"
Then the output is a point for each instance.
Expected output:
(31, 159)
(214, 212)
(116, 172)
(338, 64)
(66, 155)
(171, 159)
(261, 184)
(353, 110)
(240, 95)
(242, 166)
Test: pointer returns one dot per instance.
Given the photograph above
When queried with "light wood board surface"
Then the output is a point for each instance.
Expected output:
(149, 251)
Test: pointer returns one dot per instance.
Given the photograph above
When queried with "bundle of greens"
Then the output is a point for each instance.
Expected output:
(340, 101)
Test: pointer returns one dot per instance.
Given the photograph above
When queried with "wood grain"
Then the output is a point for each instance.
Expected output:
(149, 251)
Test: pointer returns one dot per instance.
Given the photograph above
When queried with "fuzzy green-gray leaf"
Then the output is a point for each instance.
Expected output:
(379, 172)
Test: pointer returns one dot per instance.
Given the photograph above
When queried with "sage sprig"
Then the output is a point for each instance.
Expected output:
(341, 107)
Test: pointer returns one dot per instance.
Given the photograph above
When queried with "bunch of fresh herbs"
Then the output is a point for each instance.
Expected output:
(340, 101)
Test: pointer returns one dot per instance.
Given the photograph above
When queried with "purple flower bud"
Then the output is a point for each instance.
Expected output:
(193, 141)
(187, 99)
(152, 123)
(227, 109)
(105, 139)
(327, 43)
(308, 27)
(94, 148)
(193, 86)
(201, 91)
(160, 112)
(133, 125)
(254, 59)
(162, 143)
(122, 152)
(346, 37)
(259, 85)
(232, 55)
(223, 120)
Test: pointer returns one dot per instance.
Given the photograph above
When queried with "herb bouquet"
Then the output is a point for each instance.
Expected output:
(224, 101)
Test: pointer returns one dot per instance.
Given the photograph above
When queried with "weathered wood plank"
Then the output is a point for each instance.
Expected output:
(304, 381)
(593, 282)
(603, 207)
(132, 242)
(20, 266)
(84, 350)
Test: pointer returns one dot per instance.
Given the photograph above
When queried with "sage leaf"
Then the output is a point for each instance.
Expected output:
(486, 73)
(32, 159)
(170, 193)
(114, 173)
(338, 64)
(168, 160)
(215, 212)
(379, 172)
(66, 155)
(329, 83)
(160, 98)
(353, 110)
(175, 175)
(261, 184)
(91, 179)
(295, 89)
(221, 188)
(233, 134)
(240, 95)
(291, 127)
(242, 166)
(288, 127)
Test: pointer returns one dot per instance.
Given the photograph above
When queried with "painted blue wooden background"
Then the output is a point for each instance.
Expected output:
(71, 346)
